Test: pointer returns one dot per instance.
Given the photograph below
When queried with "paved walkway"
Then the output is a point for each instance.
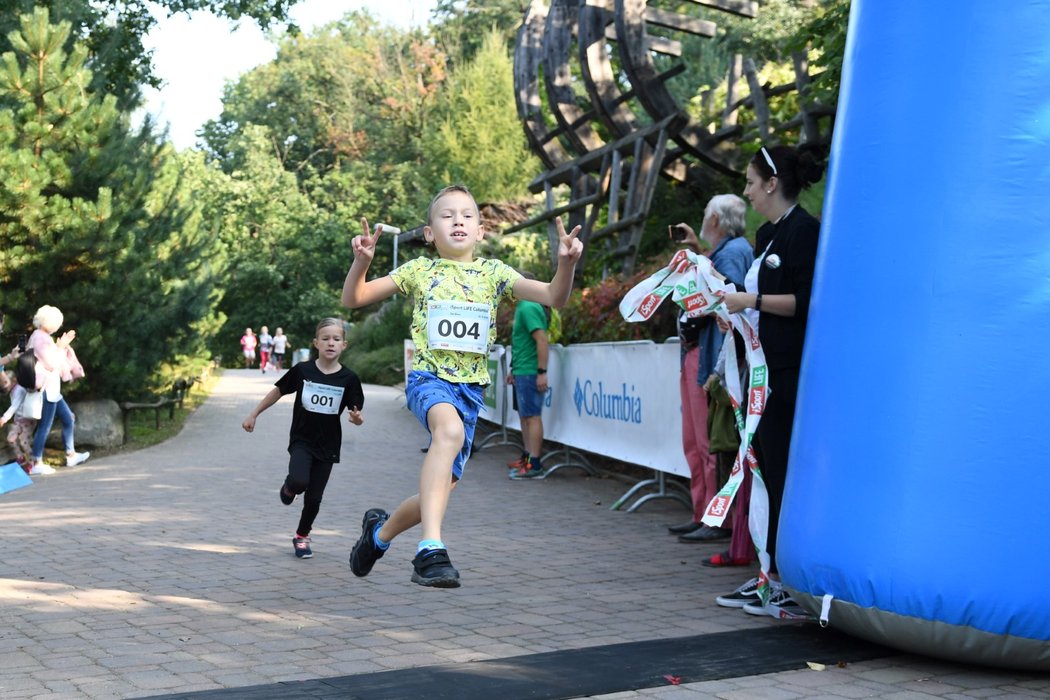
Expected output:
(170, 570)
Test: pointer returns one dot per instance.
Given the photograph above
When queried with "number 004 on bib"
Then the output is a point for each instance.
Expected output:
(459, 326)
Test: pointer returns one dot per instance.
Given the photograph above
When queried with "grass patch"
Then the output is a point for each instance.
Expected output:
(142, 430)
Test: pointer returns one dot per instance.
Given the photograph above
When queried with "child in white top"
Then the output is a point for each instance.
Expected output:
(20, 434)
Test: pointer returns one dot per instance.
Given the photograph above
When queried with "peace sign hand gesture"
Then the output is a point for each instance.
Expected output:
(570, 248)
(364, 246)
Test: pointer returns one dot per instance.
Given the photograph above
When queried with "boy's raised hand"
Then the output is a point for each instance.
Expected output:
(364, 246)
(570, 248)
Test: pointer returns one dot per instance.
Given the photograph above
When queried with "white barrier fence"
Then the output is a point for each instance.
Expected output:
(618, 400)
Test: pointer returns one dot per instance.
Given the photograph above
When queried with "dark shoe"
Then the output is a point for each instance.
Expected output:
(746, 593)
(526, 473)
(723, 559)
(518, 463)
(365, 553)
(302, 547)
(433, 568)
(781, 606)
(684, 528)
(286, 496)
(706, 534)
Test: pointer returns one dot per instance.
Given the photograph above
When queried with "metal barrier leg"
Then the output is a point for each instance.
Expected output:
(496, 438)
(569, 459)
(661, 483)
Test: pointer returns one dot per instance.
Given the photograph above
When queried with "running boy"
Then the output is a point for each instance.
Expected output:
(453, 323)
(323, 388)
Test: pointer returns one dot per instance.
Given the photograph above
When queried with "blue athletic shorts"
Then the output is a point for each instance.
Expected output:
(424, 390)
(529, 399)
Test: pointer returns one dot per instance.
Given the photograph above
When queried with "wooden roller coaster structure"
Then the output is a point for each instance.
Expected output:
(597, 111)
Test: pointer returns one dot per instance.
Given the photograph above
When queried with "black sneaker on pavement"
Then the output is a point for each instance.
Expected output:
(365, 553)
(433, 568)
(781, 606)
(302, 547)
(747, 593)
(286, 496)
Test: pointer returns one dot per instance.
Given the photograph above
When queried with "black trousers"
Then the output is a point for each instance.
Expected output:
(307, 475)
(772, 444)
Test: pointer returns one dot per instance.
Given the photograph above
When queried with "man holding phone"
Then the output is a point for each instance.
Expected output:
(701, 340)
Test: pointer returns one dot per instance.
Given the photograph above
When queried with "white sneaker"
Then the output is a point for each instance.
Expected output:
(39, 468)
(75, 458)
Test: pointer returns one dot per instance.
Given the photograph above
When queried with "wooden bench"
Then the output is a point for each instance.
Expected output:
(179, 390)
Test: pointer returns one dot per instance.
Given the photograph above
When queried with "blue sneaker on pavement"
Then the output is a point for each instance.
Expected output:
(302, 547)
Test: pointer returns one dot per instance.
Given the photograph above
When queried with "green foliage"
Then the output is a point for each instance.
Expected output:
(462, 25)
(112, 32)
(385, 327)
(479, 140)
(285, 273)
(385, 365)
(593, 313)
(825, 31)
(376, 345)
(96, 220)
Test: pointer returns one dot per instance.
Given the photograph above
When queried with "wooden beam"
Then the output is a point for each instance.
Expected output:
(656, 44)
(742, 8)
(559, 173)
(555, 212)
(679, 22)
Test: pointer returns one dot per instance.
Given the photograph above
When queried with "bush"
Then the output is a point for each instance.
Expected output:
(593, 314)
(383, 365)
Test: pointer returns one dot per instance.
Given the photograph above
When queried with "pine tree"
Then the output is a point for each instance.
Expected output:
(96, 220)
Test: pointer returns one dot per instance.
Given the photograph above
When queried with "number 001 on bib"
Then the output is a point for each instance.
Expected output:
(321, 398)
(458, 325)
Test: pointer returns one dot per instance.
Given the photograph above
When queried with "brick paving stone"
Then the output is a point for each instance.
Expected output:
(770, 692)
(171, 568)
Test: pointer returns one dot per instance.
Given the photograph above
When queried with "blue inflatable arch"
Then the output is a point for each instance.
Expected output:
(917, 506)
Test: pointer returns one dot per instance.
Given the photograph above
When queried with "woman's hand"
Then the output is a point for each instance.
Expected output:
(738, 301)
(65, 339)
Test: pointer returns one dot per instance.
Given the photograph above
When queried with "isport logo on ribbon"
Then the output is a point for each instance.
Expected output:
(650, 303)
(757, 400)
(594, 401)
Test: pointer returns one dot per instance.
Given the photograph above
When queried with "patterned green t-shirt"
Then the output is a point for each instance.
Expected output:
(461, 299)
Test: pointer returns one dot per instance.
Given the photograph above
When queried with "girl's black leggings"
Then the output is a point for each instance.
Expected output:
(309, 476)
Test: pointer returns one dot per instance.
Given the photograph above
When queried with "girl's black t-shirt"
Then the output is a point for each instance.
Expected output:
(319, 401)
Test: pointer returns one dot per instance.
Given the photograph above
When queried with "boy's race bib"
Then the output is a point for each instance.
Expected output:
(322, 398)
(458, 325)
